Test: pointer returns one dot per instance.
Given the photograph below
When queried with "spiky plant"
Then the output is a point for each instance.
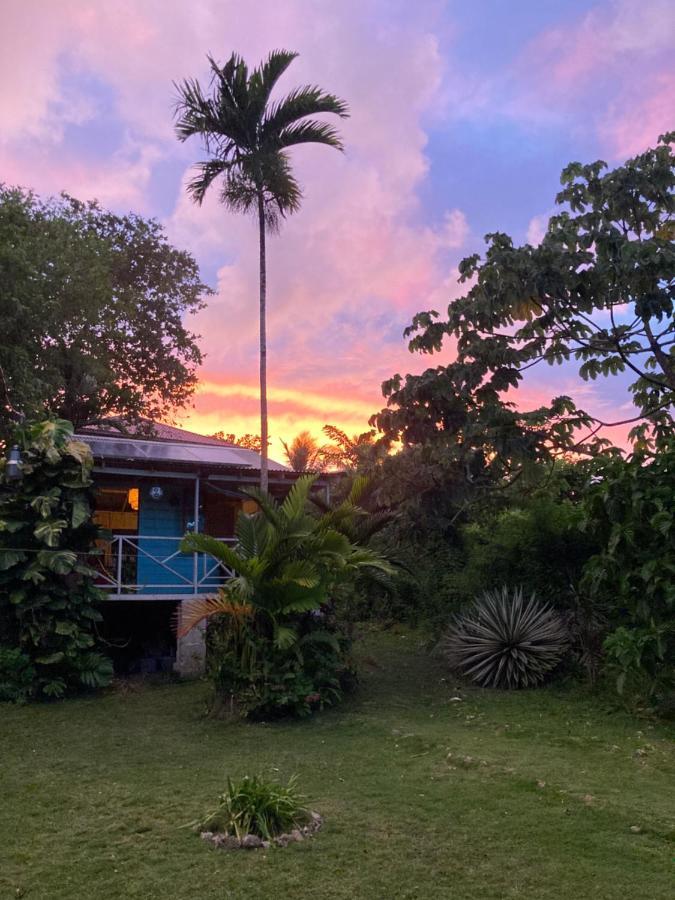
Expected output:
(506, 640)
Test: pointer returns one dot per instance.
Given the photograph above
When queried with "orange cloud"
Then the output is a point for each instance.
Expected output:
(234, 407)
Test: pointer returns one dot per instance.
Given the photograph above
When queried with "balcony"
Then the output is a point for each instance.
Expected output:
(151, 567)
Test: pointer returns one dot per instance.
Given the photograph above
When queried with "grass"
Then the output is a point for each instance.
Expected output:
(93, 791)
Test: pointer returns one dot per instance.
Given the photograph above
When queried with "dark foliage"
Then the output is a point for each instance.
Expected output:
(630, 511)
(48, 600)
(599, 289)
(93, 307)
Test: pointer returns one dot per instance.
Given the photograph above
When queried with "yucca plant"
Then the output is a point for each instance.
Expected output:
(258, 805)
(506, 640)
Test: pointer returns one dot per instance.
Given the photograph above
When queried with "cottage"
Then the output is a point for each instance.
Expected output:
(150, 491)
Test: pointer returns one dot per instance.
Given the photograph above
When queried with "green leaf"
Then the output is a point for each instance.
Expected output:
(51, 659)
(9, 558)
(49, 532)
(11, 525)
(81, 511)
(285, 637)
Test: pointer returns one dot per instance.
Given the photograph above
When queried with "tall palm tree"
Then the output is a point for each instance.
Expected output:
(246, 135)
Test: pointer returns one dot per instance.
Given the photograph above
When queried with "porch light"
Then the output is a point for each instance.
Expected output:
(156, 492)
(13, 470)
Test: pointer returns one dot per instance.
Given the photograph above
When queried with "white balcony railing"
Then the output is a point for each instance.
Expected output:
(147, 567)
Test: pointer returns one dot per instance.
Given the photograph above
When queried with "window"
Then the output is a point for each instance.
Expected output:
(117, 509)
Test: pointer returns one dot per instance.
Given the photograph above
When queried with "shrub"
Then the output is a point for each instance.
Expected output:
(253, 678)
(636, 657)
(506, 641)
(630, 509)
(257, 805)
(537, 543)
(17, 676)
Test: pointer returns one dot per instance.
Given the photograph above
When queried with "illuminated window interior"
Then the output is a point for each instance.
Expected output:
(117, 509)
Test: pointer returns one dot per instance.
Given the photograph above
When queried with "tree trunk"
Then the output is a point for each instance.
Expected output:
(263, 346)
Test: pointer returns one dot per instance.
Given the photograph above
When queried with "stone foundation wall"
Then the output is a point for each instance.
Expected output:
(191, 650)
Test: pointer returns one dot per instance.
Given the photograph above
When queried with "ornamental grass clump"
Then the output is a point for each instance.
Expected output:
(258, 806)
(506, 640)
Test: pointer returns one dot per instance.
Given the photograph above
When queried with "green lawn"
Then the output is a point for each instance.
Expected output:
(94, 792)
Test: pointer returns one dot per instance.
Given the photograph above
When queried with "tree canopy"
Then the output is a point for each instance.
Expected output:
(598, 290)
(93, 308)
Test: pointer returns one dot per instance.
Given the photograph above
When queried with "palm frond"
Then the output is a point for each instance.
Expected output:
(203, 543)
(301, 572)
(281, 189)
(207, 173)
(308, 100)
(309, 132)
(192, 110)
(295, 501)
(268, 506)
(252, 534)
(231, 80)
(239, 191)
(285, 637)
(264, 77)
(358, 488)
(191, 612)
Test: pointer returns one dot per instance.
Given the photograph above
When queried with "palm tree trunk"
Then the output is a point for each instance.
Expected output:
(263, 346)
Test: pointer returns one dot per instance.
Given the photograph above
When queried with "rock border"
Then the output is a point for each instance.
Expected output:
(253, 842)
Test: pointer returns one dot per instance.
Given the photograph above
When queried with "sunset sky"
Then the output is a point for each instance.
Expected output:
(462, 116)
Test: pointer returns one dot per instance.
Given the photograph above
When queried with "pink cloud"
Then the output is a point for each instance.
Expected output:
(536, 229)
(608, 72)
(635, 122)
(351, 268)
(605, 37)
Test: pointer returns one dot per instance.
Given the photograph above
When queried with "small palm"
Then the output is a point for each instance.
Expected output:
(285, 562)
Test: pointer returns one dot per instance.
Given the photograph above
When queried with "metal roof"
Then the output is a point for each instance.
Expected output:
(166, 452)
(157, 431)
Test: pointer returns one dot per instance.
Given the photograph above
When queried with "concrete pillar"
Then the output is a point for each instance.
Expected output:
(191, 649)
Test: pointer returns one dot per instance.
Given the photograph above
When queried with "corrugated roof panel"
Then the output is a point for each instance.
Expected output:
(167, 452)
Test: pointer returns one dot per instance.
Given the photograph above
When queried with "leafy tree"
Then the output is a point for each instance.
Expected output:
(92, 308)
(246, 135)
(599, 289)
(247, 441)
(48, 599)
